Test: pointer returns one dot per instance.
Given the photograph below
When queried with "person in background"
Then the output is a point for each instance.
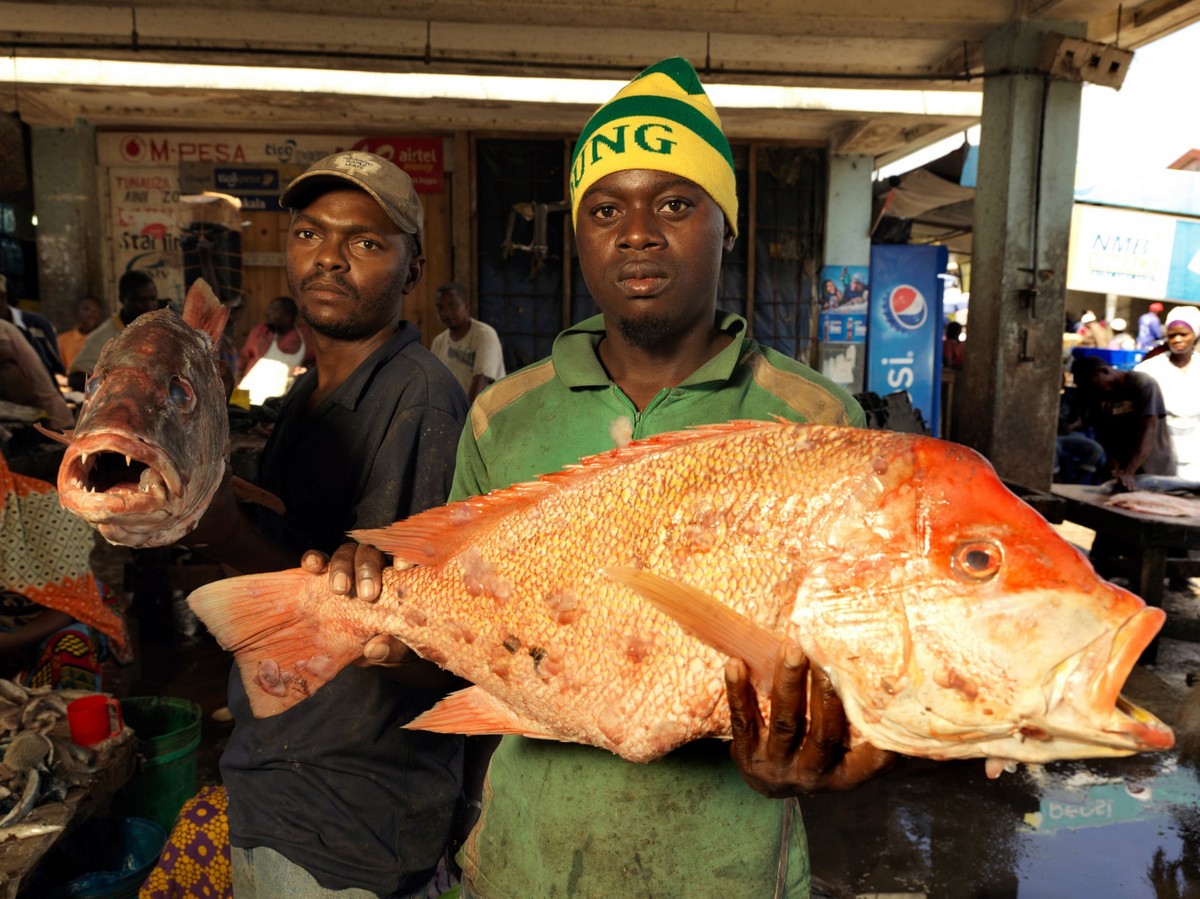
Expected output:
(562, 819)
(51, 612)
(468, 347)
(25, 381)
(335, 797)
(953, 346)
(1093, 332)
(1177, 374)
(88, 315)
(1121, 339)
(280, 337)
(138, 295)
(1127, 413)
(831, 294)
(856, 293)
(1078, 455)
(1150, 329)
(36, 329)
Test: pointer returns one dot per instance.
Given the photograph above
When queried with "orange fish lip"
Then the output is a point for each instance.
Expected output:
(1128, 643)
(109, 472)
(1129, 720)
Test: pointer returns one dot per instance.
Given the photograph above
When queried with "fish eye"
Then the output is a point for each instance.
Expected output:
(180, 392)
(92, 385)
(977, 560)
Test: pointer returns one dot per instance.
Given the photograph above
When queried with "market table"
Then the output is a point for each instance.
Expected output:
(1143, 543)
(116, 760)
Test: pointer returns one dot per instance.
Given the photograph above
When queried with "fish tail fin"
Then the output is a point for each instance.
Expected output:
(708, 620)
(284, 648)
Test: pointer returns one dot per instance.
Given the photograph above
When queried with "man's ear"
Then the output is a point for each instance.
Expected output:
(416, 268)
(729, 238)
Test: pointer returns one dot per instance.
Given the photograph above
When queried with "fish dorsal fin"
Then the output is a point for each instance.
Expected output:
(708, 620)
(204, 312)
(433, 536)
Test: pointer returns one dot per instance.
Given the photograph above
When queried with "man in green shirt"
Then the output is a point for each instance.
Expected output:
(655, 209)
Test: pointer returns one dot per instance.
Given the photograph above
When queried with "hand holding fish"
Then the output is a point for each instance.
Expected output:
(787, 758)
(356, 569)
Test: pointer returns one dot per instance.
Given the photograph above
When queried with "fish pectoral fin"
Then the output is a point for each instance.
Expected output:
(708, 620)
(63, 437)
(204, 312)
(473, 712)
(245, 492)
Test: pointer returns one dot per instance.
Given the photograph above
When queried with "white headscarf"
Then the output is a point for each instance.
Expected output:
(1185, 315)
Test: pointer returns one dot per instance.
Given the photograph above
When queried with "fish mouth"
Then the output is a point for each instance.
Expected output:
(1129, 720)
(1102, 716)
(111, 473)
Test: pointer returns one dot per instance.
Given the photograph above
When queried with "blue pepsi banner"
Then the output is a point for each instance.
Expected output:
(904, 330)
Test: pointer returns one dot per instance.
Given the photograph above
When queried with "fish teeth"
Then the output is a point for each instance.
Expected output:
(127, 460)
(152, 482)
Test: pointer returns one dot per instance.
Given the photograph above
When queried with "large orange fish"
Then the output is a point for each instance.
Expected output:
(598, 604)
(152, 442)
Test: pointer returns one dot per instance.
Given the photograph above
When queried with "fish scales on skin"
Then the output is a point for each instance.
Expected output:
(599, 604)
(151, 445)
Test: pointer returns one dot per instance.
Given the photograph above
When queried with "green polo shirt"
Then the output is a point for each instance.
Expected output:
(564, 820)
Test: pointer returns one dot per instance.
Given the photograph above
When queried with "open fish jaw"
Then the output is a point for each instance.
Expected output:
(1076, 711)
(107, 473)
(131, 491)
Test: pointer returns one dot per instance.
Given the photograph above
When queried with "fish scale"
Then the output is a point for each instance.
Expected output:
(599, 604)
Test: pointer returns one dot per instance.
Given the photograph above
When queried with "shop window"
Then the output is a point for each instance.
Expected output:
(520, 276)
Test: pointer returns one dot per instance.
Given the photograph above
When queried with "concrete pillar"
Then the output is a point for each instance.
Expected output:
(69, 236)
(1006, 404)
(847, 242)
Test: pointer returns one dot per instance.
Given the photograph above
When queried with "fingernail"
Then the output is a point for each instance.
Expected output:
(792, 656)
(376, 652)
(366, 587)
(735, 670)
(341, 583)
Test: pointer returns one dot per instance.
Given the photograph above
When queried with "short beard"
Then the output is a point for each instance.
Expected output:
(644, 332)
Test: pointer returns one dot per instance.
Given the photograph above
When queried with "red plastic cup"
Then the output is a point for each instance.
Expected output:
(94, 718)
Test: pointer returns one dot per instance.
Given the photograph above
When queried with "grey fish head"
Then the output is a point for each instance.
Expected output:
(152, 440)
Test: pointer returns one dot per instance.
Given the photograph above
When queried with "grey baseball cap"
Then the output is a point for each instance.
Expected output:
(387, 183)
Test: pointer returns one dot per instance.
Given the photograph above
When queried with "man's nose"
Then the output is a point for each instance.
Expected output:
(640, 228)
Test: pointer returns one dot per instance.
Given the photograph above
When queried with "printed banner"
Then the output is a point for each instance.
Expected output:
(845, 290)
(904, 344)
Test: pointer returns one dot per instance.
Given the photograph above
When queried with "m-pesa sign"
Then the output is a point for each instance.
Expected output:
(423, 158)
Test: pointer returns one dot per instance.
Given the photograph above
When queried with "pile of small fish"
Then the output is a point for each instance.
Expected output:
(38, 762)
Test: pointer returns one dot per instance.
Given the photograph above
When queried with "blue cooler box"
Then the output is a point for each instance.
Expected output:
(1125, 359)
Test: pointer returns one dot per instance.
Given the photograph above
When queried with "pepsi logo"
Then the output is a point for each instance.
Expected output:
(906, 308)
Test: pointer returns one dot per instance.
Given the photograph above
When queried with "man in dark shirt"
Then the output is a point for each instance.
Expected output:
(334, 795)
(1127, 413)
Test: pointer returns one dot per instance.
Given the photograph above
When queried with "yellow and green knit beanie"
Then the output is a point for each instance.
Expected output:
(663, 121)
